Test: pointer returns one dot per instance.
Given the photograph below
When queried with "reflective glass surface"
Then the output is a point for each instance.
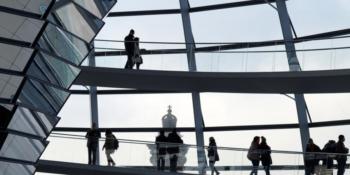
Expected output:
(63, 44)
(34, 6)
(53, 70)
(77, 20)
(22, 148)
(16, 169)
(6, 116)
(42, 96)
(9, 85)
(14, 57)
(97, 7)
(20, 28)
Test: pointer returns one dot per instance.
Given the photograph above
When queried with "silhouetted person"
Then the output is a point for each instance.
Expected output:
(111, 144)
(328, 158)
(129, 49)
(253, 155)
(137, 59)
(311, 160)
(341, 159)
(173, 149)
(92, 136)
(213, 155)
(265, 155)
(161, 150)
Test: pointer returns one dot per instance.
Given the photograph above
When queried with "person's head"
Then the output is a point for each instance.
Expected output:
(256, 140)
(94, 125)
(132, 32)
(161, 132)
(311, 141)
(108, 132)
(211, 140)
(263, 139)
(341, 138)
(331, 141)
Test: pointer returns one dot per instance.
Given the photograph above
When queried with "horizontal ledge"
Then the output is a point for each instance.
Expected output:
(214, 129)
(20, 12)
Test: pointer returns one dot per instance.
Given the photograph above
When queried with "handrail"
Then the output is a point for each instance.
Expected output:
(81, 137)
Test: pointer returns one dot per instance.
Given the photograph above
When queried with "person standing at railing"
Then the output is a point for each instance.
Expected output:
(137, 59)
(328, 158)
(129, 49)
(341, 159)
(161, 150)
(173, 149)
(111, 144)
(311, 159)
(213, 155)
(253, 155)
(92, 142)
(265, 155)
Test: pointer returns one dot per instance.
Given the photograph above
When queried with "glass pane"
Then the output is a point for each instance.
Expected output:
(63, 44)
(20, 28)
(22, 148)
(195, 3)
(76, 112)
(134, 5)
(50, 69)
(227, 109)
(144, 110)
(322, 135)
(77, 20)
(34, 6)
(43, 97)
(15, 169)
(97, 7)
(13, 57)
(6, 116)
(9, 85)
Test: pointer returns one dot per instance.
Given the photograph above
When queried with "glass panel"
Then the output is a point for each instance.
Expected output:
(9, 85)
(227, 109)
(144, 110)
(237, 25)
(97, 7)
(13, 57)
(50, 69)
(195, 3)
(76, 112)
(16, 169)
(43, 97)
(321, 16)
(34, 6)
(77, 20)
(327, 107)
(22, 148)
(20, 28)
(27, 121)
(6, 116)
(134, 5)
(63, 44)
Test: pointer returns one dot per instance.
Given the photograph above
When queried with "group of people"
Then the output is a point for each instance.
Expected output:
(258, 151)
(111, 144)
(331, 151)
(132, 49)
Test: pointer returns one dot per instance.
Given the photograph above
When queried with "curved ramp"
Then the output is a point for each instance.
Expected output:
(328, 81)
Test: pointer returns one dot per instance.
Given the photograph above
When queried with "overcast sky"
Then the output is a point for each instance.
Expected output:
(254, 23)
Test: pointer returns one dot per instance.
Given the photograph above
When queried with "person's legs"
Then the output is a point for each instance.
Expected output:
(173, 163)
(94, 155)
(341, 167)
(255, 167)
(138, 66)
(267, 169)
(211, 165)
(89, 155)
(162, 163)
(129, 62)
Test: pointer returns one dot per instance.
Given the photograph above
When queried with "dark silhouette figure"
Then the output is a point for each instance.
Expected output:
(213, 155)
(92, 142)
(161, 150)
(137, 59)
(311, 159)
(173, 149)
(265, 155)
(328, 158)
(111, 144)
(341, 159)
(253, 155)
(130, 49)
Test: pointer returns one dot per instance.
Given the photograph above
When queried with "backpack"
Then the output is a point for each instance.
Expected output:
(115, 143)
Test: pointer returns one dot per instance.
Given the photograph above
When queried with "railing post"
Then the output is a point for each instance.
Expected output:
(198, 116)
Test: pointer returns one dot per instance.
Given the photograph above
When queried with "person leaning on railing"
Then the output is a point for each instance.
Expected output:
(341, 159)
(311, 158)
(161, 150)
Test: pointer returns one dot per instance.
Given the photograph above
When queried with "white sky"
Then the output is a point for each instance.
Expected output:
(255, 23)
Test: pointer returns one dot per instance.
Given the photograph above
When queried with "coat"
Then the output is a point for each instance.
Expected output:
(265, 154)
(161, 146)
(253, 153)
(175, 141)
(213, 151)
(129, 44)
